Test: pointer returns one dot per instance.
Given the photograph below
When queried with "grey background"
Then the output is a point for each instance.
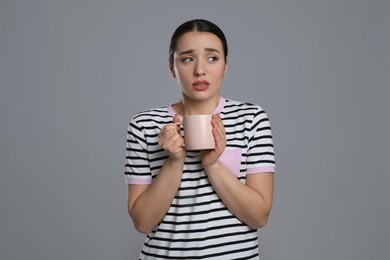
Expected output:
(72, 74)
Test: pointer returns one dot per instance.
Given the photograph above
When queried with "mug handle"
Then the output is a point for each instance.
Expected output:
(180, 123)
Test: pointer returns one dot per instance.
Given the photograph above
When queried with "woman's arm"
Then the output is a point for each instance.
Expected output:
(148, 204)
(250, 202)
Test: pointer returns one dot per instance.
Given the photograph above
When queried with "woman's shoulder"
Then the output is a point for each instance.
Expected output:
(150, 114)
(241, 106)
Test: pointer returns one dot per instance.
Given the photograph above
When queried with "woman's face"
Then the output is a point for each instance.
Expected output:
(199, 65)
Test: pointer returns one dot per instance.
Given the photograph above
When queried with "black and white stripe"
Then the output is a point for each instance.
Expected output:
(197, 224)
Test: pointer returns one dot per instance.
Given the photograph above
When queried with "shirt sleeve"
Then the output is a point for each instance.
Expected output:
(261, 157)
(137, 166)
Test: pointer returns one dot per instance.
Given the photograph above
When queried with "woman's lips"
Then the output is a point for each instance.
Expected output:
(200, 85)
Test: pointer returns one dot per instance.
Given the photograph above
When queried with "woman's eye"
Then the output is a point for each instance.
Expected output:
(188, 59)
(212, 58)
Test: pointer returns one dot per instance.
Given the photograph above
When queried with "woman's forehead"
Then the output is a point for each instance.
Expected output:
(198, 40)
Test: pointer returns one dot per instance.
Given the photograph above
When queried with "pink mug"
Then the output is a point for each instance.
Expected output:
(198, 133)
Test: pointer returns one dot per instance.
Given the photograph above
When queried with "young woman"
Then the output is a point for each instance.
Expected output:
(200, 204)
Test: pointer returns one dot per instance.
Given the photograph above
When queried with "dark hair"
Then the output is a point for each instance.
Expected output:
(197, 25)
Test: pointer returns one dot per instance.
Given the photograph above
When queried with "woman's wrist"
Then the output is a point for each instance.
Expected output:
(214, 167)
(176, 162)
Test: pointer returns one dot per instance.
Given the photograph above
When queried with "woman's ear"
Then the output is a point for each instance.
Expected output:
(172, 70)
(226, 65)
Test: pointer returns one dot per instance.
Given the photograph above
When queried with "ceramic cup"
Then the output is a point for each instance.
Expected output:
(198, 132)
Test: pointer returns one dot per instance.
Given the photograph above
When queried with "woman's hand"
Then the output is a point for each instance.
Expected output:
(210, 157)
(171, 140)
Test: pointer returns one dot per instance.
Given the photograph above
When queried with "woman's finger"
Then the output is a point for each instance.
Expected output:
(219, 129)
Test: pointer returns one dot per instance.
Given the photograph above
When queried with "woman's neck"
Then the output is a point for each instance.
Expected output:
(186, 107)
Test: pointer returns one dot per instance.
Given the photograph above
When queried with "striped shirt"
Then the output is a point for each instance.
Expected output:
(198, 225)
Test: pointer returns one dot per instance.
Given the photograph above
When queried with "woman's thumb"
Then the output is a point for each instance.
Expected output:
(176, 118)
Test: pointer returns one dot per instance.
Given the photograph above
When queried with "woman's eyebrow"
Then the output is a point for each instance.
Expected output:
(211, 50)
(187, 52)
(208, 49)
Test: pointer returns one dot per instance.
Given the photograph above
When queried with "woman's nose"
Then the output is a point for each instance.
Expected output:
(199, 68)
